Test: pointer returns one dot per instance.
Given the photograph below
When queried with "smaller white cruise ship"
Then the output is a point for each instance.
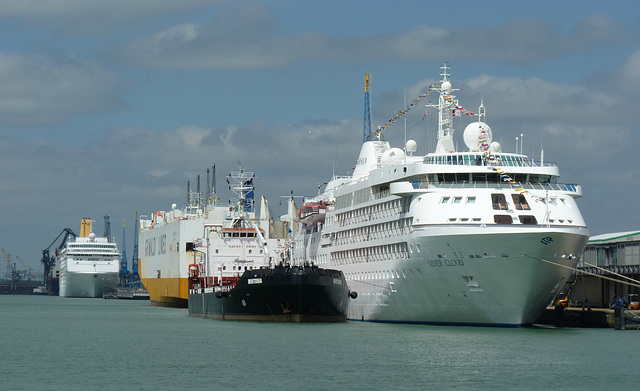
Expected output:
(89, 265)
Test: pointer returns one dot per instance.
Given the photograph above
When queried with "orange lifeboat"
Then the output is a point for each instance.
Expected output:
(312, 213)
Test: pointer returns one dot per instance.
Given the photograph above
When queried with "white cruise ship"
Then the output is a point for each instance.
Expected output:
(89, 265)
(479, 237)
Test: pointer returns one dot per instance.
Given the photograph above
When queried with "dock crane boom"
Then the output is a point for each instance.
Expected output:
(48, 261)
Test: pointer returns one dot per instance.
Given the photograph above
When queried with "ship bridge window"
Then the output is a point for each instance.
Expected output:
(471, 200)
(444, 200)
(502, 219)
(520, 202)
(499, 201)
(479, 177)
(457, 200)
(528, 220)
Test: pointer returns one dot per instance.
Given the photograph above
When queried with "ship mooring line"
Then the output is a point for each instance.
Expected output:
(582, 271)
(614, 273)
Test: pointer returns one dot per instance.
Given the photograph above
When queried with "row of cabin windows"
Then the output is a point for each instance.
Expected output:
(458, 200)
(498, 201)
(382, 275)
(491, 177)
(373, 212)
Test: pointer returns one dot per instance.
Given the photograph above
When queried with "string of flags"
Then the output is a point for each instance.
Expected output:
(484, 143)
(457, 111)
(514, 185)
(506, 178)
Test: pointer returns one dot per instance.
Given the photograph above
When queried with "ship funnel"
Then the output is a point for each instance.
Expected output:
(85, 227)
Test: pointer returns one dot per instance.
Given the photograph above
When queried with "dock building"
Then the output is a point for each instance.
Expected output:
(610, 264)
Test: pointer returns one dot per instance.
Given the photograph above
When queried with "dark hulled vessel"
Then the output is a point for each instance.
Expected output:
(280, 294)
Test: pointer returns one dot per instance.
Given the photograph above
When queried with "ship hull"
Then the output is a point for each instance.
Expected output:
(497, 279)
(277, 295)
(167, 292)
(87, 284)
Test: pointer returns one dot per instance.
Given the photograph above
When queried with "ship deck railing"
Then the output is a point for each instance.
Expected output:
(476, 159)
(566, 187)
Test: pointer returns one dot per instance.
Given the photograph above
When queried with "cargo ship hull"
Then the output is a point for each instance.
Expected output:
(282, 294)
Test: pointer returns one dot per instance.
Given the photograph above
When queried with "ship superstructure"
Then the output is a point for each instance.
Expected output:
(237, 238)
(89, 265)
(480, 237)
(271, 288)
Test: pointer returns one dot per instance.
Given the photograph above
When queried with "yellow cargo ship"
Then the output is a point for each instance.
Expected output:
(167, 236)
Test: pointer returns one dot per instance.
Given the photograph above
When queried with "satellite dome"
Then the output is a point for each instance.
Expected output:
(477, 136)
(446, 86)
(495, 147)
(412, 146)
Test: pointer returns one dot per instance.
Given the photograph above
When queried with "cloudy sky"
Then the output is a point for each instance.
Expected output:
(109, 107)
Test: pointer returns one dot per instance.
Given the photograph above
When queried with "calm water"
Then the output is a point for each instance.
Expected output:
(52, 343)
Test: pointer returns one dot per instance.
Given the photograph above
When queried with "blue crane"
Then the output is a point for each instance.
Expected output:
(124, 273)
(135, 277)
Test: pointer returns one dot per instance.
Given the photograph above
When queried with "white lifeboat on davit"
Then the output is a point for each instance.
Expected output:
(312, 212)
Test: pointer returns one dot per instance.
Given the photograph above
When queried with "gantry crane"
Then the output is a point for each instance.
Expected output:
(125, 276)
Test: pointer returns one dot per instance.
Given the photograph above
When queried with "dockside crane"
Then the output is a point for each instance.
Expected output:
(135, 277)
(107, 228)
(15, 276)
(49, 261)
(125, 276)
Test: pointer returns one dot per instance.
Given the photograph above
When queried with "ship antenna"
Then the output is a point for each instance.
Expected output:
(367, 108)
(213, 180)
(207, 190)
(198, 195)
(447, 104)
(405, 126)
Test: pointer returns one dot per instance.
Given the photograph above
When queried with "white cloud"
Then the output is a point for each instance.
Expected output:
(94, 16)
(249, 37)
(627, 78)
(41, 90)
(192, 136)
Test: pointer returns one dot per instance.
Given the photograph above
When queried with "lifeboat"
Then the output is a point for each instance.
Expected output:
(312, 213)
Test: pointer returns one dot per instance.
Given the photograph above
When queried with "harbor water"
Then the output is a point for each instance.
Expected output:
(53, 343)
